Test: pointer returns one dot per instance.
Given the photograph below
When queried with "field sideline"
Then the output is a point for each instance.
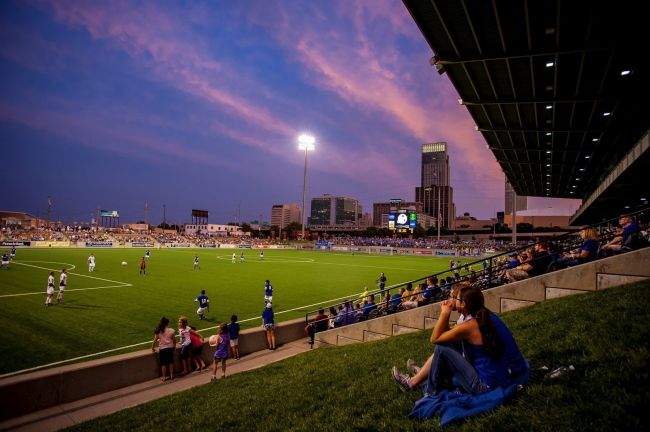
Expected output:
(114, 307)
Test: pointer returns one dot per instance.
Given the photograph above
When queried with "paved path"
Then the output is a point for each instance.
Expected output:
(70, 414)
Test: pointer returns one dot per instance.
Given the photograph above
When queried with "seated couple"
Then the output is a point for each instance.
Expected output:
(476, 355)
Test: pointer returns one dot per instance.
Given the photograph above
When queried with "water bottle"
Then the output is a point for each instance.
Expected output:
(559, 372)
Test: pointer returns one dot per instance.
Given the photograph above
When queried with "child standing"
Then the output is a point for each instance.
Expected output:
(186, 344)
(164, 335)
(197, 349)
(233, 334)
(221, 353)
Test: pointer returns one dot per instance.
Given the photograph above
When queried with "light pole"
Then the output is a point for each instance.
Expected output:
(306, 143)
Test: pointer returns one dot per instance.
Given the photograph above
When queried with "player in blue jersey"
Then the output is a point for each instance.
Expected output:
(5, 260)
(196, 262)
(147, 255)
(268, 292)
(13, 253)
(242, 258)
(261, 255)
(204, 304)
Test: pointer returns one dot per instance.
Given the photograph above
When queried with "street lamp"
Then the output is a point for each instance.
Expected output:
(306, 143)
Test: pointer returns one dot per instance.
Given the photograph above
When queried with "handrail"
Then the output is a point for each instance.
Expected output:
(491, 268)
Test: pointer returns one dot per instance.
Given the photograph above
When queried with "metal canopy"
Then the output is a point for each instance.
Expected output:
(546, 83)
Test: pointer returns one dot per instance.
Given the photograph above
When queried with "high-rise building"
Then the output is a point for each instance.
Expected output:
(335, 212)
(521, 202)
(435, 191)
(285, 214)
(435, 165)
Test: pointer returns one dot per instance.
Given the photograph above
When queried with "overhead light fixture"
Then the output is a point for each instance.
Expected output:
(548, 165)
(550, 64)
(581, 169)
(587, 157)
(607, 114)
(643, 199)
(625, 72)
(594, 139)
(548, 134)
(548, 152)
(627, 206)
(577, 178)
(574, 186)
(549, 106)
(548, 175)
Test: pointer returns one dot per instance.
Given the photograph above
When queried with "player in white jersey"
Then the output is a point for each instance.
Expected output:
(91, 263)
(241, 258)
(261, 255)
(196, 262)
(63, 281)
(50, 289)
(234, 258)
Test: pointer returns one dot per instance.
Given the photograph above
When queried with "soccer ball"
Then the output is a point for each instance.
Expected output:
(213, 340)
(123, 263)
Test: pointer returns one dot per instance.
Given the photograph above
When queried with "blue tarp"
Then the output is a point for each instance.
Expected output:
(452, 405)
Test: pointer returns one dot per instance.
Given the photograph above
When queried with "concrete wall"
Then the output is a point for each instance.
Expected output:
(23, 394)
(606, 273)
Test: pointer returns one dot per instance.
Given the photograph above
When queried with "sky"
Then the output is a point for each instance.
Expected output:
(189, 104)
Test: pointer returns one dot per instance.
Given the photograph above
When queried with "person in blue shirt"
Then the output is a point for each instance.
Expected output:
(587, 252)
(196, 262)
(13, 253)
(204, 304)
(5, 260)
(268, 292)
(147, 255)
(369, 307)
(233, 334)
(242, 258)
(490, 351)
(268, 323)
(628, 228)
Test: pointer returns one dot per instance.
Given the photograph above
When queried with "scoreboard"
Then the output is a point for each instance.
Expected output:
(402, 221)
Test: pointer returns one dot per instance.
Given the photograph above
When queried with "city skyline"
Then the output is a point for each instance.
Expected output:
(200, 106)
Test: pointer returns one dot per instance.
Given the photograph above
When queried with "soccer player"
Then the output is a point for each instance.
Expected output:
(204, 304)
(143, 266)
(268, 292)
(147, 255)
(50, 289)
(261, 255)
(5, 260)
(196, 262)
(91, 263)
(234, 258)
(63, 281)
(241, 258)
(13, 253)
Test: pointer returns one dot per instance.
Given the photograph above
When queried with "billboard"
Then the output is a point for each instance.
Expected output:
(403, 220)
(109, 213)
(199, 213)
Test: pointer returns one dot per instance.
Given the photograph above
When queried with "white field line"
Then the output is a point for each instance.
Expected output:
(76, 274)
(67, 290)
(87, 356)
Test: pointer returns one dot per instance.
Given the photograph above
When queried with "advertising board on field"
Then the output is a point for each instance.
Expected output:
(340, 248)
(179, 245)
(423, 252)
(244, 246)
(99, 244)
(45, 243)
(208, 245)
(142, 245)
(445, 253)
(15, 243)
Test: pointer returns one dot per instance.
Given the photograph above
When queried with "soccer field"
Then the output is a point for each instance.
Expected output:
(114, 308)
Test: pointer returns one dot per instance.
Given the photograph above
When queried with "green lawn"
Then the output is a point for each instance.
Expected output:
(603, 334)
(115, 307)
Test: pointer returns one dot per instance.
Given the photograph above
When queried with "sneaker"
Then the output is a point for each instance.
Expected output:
(213, 379)
(403, 380)
(410, 365)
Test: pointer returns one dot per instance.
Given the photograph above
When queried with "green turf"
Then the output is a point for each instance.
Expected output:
(95, 320)
(603, 334)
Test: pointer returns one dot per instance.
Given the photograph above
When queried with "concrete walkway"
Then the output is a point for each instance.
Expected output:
(70, 414)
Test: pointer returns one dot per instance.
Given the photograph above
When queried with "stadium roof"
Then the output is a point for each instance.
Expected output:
(557, 88)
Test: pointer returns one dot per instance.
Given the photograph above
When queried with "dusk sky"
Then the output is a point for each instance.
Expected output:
(199, 105)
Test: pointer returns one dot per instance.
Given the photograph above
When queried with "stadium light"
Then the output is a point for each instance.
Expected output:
(306, 143)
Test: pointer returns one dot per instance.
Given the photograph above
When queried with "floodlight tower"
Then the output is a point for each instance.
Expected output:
(306, 143)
